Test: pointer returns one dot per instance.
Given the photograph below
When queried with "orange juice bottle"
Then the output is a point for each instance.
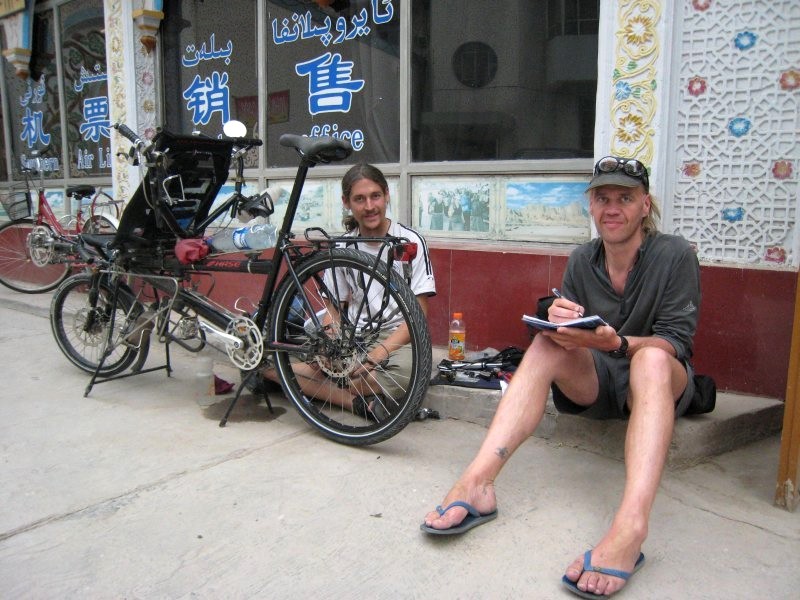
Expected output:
(457, 338)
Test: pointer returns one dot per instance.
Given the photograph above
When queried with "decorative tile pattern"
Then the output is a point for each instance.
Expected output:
(633, 102)
(115, 64)
(736, 149)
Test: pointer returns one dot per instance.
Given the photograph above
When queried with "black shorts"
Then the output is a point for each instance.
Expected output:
(613, 375)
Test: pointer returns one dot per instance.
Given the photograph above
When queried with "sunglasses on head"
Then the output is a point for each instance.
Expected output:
(629, 166)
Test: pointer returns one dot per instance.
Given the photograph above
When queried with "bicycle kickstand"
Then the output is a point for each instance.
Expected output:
(240, 389)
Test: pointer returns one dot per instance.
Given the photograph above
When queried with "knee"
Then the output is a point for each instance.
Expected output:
(651, 364)
(652, 357)
(540, 350)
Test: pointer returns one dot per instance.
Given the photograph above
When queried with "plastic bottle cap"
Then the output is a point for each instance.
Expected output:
(457, 316)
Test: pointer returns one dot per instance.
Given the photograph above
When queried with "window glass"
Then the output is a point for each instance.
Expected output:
(502, 84)
(3, 163)
(210, 65)
(3, 103)
(85, 88)
(33, 103)
(333, 68)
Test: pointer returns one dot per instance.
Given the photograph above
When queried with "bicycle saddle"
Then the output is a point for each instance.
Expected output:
(83, 191)
(318, 149)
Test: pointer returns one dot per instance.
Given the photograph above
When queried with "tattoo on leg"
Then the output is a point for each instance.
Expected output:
(502, 452)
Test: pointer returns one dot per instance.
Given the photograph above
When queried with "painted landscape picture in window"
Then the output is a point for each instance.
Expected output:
(552, 211)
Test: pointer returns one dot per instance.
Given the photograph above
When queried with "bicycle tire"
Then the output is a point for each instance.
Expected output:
(104, 205)
(17, 270)
(70, 312)
(99, 224)
(329, 349)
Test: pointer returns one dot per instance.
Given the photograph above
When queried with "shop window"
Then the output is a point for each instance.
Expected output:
(333, 68)
(33, 103)
(210, 66)
(535, 90)
(572, 17)
(3, 101)
(83, 54)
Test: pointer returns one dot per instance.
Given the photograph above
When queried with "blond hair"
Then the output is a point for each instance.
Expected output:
(653, 218)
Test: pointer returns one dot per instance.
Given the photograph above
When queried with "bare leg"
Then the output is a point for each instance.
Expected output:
(657, 380)
(315, 384)
(518, 414)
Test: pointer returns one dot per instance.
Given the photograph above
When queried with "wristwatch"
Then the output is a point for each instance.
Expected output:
(622, 351)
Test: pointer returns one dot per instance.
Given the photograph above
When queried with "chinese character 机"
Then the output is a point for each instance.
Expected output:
(32, 129)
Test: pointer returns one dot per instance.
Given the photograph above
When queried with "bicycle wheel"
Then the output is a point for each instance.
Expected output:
(99, 224)
(334, 352)
(81, 330)
(104, 205)
(23, 247)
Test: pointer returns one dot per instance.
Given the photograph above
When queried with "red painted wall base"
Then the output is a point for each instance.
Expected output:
(743, 337)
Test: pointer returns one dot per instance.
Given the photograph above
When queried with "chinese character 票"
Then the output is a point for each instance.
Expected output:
(95, 111)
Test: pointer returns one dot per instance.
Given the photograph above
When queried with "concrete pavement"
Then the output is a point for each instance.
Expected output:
(135, 492)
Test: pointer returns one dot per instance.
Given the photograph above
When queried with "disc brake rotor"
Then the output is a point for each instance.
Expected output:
(335, 362)
(92, 336)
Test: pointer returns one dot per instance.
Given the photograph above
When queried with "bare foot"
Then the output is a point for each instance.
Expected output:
(481, 496)
(615, 551)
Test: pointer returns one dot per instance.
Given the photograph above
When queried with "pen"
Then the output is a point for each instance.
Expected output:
(558, 294)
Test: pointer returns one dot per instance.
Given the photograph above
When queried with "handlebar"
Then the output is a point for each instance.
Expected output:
(134, 139)
(143, 148)
(139, 145)
(245, 142)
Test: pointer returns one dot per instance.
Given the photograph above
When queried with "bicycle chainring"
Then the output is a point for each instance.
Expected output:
(250, 354)
(40, 245)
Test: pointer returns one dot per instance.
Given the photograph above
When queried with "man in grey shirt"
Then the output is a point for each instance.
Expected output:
(646, 286)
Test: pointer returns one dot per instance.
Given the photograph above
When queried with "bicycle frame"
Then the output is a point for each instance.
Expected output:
(135, 262)
(44, 213)
(285, 254)
(286, 251)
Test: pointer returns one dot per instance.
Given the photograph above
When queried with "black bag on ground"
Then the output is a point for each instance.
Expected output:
(705, 396)
(484, 373)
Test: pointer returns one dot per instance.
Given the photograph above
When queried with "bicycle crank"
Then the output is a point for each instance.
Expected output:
(243, 342)
(248, 355)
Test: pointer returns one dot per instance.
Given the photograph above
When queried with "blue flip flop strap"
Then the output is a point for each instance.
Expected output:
(587, 566)
(470, 509)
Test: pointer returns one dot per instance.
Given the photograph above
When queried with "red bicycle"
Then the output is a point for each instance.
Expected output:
(37, 250)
